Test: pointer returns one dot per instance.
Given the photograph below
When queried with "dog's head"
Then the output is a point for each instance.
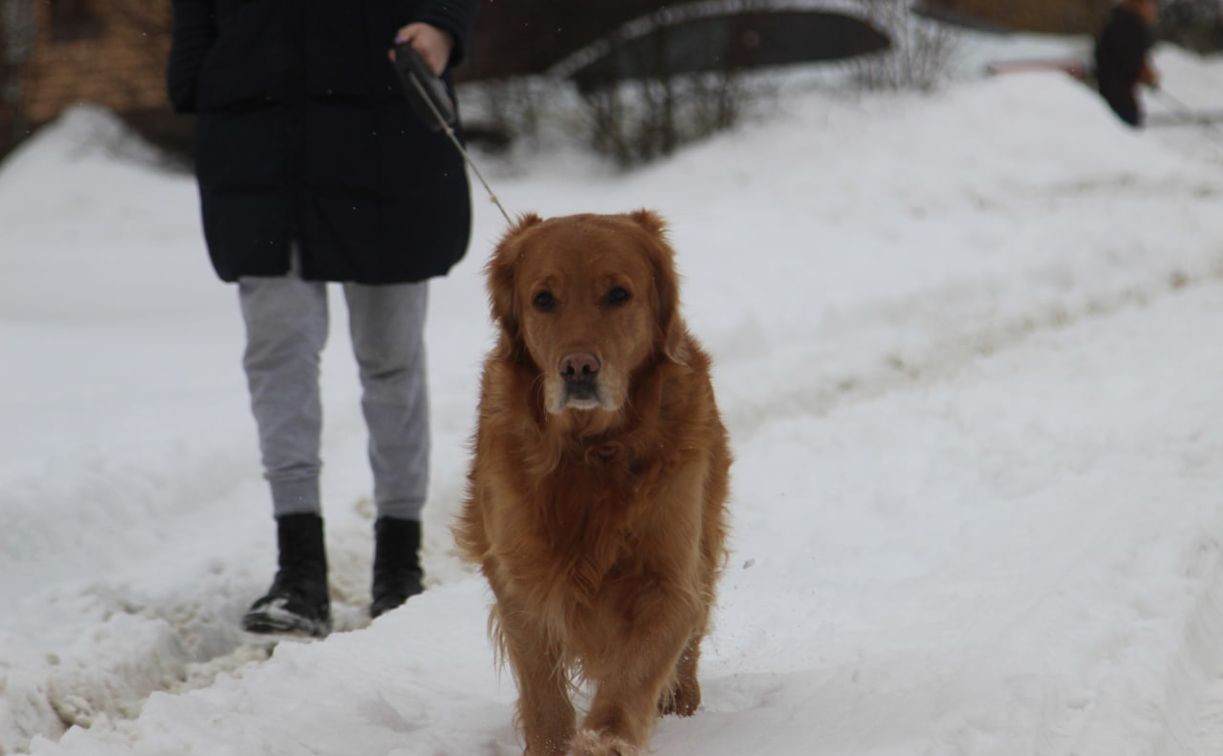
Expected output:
(587, 300)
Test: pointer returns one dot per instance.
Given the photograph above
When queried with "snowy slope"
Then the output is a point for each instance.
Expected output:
(966, 346)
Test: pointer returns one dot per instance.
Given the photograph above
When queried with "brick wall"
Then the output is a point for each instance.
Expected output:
(114, 54)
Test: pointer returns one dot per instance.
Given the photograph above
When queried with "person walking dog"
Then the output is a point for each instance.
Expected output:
(1123, 57)
(313, 168)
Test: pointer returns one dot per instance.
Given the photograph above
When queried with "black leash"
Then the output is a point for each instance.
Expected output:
(432, 103)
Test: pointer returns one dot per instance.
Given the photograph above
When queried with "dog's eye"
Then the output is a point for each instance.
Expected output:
(617, 296)
(544, 301)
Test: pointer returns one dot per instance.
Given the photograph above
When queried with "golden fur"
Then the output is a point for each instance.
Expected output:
(597, 515)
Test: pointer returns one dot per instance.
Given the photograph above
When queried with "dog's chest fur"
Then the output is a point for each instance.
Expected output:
(580, 544)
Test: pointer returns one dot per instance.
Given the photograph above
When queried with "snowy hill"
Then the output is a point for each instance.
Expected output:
(967, 348)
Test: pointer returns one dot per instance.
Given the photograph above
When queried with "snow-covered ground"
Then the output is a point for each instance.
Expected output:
(968, 349)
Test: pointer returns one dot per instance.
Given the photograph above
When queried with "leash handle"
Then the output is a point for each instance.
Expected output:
(429, 91)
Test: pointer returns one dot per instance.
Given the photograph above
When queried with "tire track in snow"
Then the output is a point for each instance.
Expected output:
(945, 351)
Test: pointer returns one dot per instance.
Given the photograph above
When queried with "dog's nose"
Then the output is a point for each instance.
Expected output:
(579, 366)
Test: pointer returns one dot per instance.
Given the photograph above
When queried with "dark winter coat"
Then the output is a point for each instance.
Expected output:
(303, 135)
(1121, 55)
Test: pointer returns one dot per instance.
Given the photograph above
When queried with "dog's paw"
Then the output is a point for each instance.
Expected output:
(682, 700)
(591, 743)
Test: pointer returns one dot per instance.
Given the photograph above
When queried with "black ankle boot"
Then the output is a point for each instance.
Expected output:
(297, 602)
(397, 572)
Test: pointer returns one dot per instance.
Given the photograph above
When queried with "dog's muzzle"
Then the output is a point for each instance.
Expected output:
(580, 373)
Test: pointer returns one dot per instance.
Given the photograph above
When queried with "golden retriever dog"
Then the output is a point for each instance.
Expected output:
(597, 492)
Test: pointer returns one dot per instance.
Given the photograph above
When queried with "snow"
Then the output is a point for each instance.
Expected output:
(966, 346)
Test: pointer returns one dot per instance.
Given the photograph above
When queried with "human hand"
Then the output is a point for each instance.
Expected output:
(431, 43)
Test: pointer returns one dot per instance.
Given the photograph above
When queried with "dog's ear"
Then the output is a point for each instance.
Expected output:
(500, 280)
(651, 221)
(671, 332)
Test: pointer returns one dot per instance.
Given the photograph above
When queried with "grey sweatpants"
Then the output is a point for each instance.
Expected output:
(286, 329)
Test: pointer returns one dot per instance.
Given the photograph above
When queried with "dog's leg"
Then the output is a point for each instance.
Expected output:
(545, 712)
(625, 705)
(684, 695)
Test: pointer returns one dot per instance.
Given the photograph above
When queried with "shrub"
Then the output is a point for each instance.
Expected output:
(921, 50)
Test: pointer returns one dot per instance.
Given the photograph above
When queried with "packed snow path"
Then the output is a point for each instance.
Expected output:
(967, 348)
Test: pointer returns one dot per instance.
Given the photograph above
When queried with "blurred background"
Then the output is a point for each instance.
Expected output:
(648, 75)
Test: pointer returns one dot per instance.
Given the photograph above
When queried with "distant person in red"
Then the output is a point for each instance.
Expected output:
(1122, 61)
